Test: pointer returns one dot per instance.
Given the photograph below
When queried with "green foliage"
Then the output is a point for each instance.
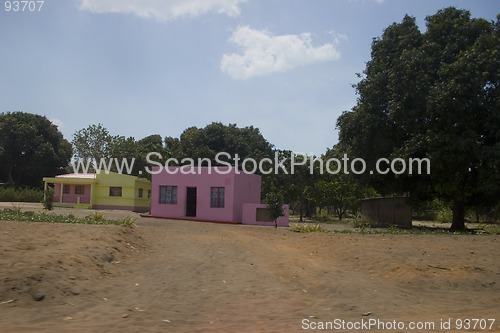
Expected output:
(306, 227)
(17, 207)
(361, 223)
(31, 147)
(92, 142)
(127, 222)
(11, 194)
(97, 216)
(444, 215)
(298, 188)
(324, 216)
(29, 216)
(95, 142)
(428, 210)
(274, 202)
(205, 143)
(341, 191)
(432, 95)
(151, 143)
(48, 200)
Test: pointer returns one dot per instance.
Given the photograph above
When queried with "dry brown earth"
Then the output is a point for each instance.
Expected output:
(182, 276)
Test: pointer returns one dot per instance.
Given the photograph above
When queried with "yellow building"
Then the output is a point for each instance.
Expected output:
(101, 191)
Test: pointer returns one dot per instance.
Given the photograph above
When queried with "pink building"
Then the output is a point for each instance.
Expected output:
(219, 194)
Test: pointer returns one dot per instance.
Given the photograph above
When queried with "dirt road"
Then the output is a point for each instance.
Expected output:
(201, 277)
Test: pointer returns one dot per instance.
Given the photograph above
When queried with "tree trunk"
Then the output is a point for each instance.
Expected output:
(300, 211)
(458, 220)
(308, 209)
(340, 213)
(10, 181)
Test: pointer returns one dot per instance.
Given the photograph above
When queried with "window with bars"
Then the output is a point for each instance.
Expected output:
(66, 189)
(217, 197)
(168, 195)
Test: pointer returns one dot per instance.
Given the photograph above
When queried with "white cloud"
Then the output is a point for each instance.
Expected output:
(163, 10)
(338, 37)
(264, 53)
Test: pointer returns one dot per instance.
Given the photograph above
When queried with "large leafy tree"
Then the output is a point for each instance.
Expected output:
(434, 95)
(95, 142)
(205, 143)
(31, 147)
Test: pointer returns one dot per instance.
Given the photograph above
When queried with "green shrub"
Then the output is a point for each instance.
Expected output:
(127, 222)
(444, 215)
(274, 201)
(96, 216)
(8, 194)
(48, 200)
(307, 228)
(29, 216)
(17, 207)
(361, 223)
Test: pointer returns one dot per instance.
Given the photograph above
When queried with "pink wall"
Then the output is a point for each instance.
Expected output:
(250, 215)
(239, 188)
(246, 191)
(72, 197)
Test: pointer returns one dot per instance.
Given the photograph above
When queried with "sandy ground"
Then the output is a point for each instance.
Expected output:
(182, 276)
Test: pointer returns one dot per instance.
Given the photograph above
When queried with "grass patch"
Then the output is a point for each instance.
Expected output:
(28, 216)
(415, 230)
(127, 222)
(306, 227)
(8, 194)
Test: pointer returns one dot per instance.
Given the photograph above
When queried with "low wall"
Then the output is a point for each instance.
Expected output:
(256, 214)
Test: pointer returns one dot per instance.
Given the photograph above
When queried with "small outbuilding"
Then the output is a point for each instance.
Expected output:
(218, 194)
(100, 191)
(387, 211)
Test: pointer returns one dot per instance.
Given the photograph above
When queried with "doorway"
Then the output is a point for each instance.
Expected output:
(191, 202)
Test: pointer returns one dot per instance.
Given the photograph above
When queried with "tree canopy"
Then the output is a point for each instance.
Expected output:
(95, 142)
(92, 142)
(435, 95)
(31, 147)
(199, 143)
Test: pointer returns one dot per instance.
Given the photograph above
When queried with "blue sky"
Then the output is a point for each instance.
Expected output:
(142, 67)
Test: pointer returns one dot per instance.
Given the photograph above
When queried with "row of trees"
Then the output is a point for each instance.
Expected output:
(33, 148)
(428, 95)
(305, 190)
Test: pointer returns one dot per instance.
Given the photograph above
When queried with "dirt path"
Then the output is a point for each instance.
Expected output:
(200, 277)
